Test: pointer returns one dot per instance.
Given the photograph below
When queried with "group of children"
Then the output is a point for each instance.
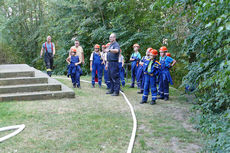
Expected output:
(98, 61)
(146, 70)
(149, 72)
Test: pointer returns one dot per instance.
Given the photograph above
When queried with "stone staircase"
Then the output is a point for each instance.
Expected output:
(22, 82)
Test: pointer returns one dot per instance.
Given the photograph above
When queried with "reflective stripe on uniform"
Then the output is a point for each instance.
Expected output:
(48, 70)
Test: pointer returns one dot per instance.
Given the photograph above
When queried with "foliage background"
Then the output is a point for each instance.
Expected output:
(197, 32)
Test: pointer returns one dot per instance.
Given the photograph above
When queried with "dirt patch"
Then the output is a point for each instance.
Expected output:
(178, 113)
(181, 114)
(189, 127)
(179, 147)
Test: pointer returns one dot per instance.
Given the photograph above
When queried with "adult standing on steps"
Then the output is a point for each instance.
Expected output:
(80, 52)
(113, 66)
(49, 48)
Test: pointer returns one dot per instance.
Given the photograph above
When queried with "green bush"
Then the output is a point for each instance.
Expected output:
(217, 129)
(209, 41)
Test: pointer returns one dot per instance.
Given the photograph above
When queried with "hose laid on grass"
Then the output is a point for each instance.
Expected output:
(132, 139)
(18, 127)
(133, 136)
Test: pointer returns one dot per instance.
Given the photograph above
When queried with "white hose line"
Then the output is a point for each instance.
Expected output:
(132, 139)
(18, 127)
(133, 136)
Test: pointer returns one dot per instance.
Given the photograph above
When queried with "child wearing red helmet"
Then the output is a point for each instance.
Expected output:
(95, 65)
(74, 69)
(135, 58)
(140, 72)
(165, 77)
(151, 69)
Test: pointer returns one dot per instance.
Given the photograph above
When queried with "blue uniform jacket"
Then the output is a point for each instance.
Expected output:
(135, 62)
(155, 68)
(140, 68)
(72, 68)
(165, 65)
(97, 59)
(168, 60)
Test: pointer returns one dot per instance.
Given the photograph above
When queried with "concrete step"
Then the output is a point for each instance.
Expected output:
(30, 88)
(15, 74)
(36, 95)
(23, 80)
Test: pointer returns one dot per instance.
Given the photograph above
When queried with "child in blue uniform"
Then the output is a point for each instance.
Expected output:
(74, 69)
(135, 58)
(95, 65)
(151, 69)
(140, 72)
(121, 69)
(165, 77)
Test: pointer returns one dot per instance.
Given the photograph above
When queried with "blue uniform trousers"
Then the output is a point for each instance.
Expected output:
(133, 73)
(74, 72)
(139, 75)
(150, 82)
(142, 84)
(163, 85)
(122, 74)
(96, 67)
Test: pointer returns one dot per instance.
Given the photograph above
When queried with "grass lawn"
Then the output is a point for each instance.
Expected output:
(93, 122)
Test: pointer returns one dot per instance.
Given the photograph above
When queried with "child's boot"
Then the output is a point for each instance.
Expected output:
(153, 102)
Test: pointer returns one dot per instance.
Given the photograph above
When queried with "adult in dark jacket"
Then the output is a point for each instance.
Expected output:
(113, 65)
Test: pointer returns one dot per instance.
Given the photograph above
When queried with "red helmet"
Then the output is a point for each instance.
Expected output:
(163, 49)
(168, 54)
(149, 49)
(73, 49)
(97, 46)
(108, 44)
(103, 46)
(136, 45)
(153, 52)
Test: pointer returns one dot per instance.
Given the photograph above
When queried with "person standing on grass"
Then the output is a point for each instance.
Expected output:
(49, 48)
(95, 65)
(165, 77)
(112, 65)
(140, 72)
(151, 69)
(74, 69)
(135, 58)
(80, 52)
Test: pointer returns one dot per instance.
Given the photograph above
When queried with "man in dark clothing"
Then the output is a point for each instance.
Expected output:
(49, 54)
(113, 66)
